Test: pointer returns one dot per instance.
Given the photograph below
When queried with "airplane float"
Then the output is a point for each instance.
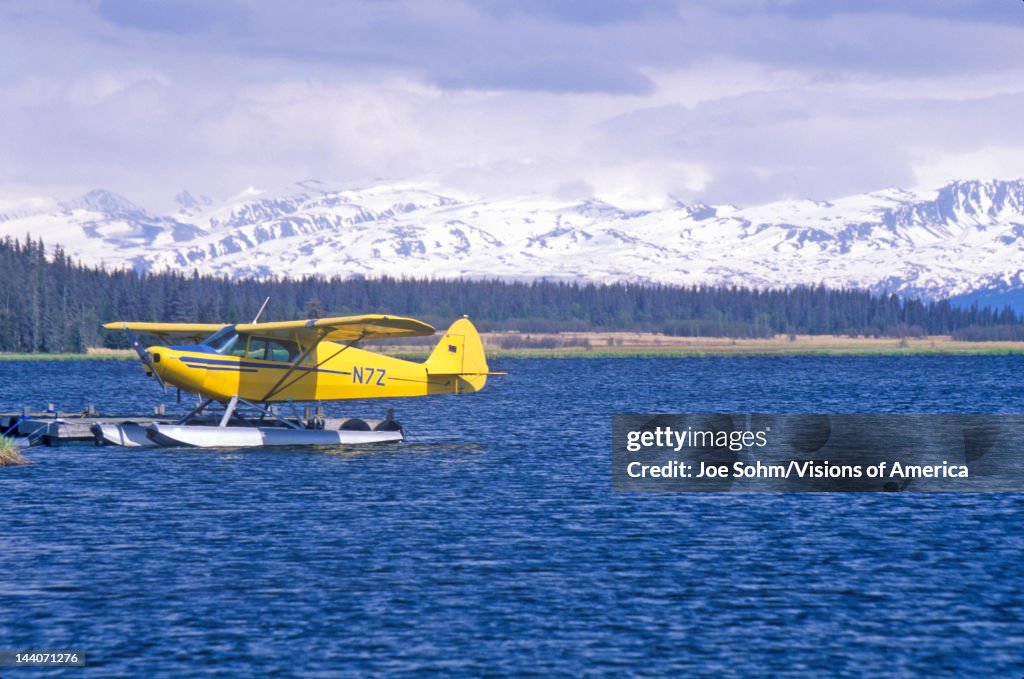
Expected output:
(250, 366)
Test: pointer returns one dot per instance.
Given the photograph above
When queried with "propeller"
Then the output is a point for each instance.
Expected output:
(144, 357)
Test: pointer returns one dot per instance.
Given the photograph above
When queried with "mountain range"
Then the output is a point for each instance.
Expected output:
(962, 239)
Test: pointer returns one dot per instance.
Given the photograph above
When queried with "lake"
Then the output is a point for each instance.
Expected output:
(491, 542)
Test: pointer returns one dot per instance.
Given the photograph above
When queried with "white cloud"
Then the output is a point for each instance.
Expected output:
(985, 163)
(640, 186)
(743, 104)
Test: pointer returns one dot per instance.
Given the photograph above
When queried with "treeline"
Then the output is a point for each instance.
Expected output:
(993, 333)
(54, 304)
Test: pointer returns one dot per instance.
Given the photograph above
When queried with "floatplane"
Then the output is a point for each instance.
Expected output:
(238, 372)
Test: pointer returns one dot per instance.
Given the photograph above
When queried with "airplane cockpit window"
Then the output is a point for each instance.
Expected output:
(239, 348)
(257, 349)
(282, 351)
(260, 349)
(228, 342)
(223, 340)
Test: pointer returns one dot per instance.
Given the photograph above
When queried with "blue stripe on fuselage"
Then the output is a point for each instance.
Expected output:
(229, 370)
(194, 348)
(228, 364)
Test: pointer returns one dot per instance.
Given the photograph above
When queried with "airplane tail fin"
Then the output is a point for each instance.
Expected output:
(460, 355)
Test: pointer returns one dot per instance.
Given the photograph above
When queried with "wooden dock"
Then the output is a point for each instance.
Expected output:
(52, 428)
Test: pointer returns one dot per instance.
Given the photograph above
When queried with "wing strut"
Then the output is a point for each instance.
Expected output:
(277, 388)
(295, 364)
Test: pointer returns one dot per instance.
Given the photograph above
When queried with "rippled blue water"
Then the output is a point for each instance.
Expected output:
(491, 543)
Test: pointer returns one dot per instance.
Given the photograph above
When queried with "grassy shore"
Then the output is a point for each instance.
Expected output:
(92, 354)
(10, 456)
(633, 344)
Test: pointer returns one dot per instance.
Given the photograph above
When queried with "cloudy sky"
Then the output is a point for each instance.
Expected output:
(740, 101)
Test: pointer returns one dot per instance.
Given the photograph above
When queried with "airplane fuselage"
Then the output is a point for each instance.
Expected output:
(329, 371)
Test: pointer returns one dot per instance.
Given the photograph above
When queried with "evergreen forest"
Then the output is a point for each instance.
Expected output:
(51, 303)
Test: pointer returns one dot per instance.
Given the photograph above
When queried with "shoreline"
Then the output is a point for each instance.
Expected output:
(652, 345)
(647, 345)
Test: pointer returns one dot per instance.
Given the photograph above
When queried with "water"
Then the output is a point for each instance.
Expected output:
(491, 543)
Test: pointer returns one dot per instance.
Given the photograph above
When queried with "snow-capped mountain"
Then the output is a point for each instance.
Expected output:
(966, 236)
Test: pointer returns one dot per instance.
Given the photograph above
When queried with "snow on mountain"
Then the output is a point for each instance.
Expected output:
(962, 237)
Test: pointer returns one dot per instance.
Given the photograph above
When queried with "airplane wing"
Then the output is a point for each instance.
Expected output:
(339, 329)
(170, 333)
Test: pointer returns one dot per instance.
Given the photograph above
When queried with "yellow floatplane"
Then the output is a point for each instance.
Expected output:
(253, 365)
